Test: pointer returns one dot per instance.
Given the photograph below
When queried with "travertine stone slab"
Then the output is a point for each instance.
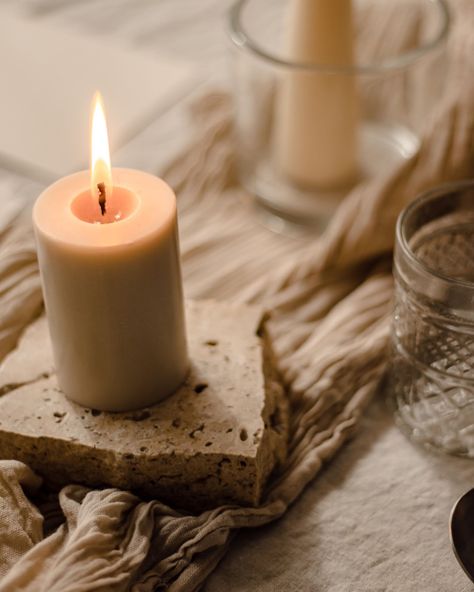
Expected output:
(214, 441)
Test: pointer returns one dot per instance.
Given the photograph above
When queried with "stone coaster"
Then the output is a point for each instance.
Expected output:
(214, 441)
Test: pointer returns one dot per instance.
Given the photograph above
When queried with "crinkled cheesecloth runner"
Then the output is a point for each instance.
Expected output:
(330, 300)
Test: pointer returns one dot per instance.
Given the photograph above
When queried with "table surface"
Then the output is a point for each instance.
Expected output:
(376, 519)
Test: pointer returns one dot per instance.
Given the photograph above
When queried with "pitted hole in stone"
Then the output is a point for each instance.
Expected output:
(143, 448)
(208, 444)
(212, 342)
(96, 412)
(243, 435)
(242, 463)
(176, 423)
(199, 388)
(200, 428)
(139, 416)
(229, 430)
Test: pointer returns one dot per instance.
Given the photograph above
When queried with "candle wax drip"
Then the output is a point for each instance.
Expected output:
(102, 204)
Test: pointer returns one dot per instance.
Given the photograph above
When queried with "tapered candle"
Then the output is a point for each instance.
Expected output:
(109, 260)
(316, 114)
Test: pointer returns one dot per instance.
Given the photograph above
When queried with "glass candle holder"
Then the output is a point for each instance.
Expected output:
(308, 132)
(431, 375)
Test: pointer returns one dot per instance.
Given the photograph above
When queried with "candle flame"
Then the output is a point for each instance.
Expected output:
(101, 172)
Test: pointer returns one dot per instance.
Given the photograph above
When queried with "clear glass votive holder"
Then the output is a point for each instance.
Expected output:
(430, 382)
(307, 133)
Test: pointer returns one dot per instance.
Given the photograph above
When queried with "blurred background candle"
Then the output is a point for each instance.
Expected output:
(316, 125)
(109, 259)
(330, 94)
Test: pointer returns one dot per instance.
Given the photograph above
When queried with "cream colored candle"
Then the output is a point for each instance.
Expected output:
(112, 288)
(316, 115)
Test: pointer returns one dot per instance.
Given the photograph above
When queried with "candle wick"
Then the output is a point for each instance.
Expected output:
(101, 188)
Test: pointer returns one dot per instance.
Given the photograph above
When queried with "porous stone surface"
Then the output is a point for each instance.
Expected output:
(214, 441)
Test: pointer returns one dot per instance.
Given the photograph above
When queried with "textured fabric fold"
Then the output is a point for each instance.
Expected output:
(21, 524)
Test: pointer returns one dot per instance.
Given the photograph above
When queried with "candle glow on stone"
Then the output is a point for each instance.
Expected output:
(101, 171)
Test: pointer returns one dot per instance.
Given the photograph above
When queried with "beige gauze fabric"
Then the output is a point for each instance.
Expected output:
(330, 300)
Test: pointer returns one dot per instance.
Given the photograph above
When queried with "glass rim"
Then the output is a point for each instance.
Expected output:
(242, 40)
(402, 240)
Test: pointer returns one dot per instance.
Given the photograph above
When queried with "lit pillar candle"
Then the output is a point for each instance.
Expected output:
(316, 117)
(110, 269)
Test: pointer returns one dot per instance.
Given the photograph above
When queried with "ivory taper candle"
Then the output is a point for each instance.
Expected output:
(110, 269)
(316, 114)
